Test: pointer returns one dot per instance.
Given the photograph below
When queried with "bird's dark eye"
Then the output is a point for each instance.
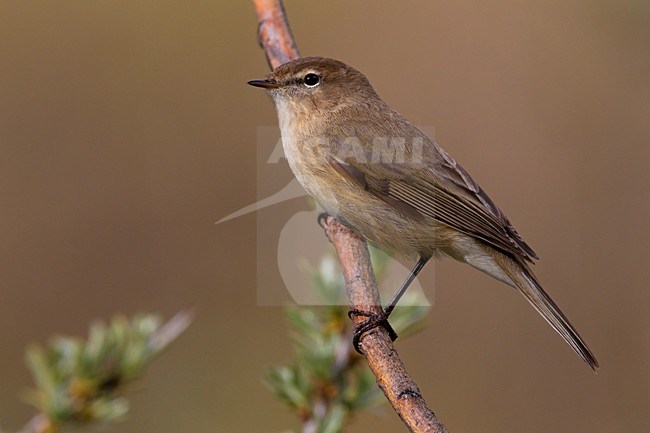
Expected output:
(311, 80)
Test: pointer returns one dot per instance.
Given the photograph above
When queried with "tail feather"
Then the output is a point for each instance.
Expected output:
(525, 281)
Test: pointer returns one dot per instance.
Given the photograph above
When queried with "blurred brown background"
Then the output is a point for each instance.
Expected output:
(127, 130)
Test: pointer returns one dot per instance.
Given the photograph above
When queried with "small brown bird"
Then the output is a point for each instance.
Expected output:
(375, 172)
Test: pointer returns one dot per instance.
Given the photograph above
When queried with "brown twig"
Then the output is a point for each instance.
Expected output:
(400, 390)
(38, 424)
(273, 32)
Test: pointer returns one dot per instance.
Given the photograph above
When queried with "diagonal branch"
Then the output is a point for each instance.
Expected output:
(393, 379)
(273, 32)
(399, 388)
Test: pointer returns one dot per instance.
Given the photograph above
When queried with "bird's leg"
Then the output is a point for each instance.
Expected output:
(414, 273)
(381, 319)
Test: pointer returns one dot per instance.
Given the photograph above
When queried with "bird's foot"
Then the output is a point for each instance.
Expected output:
(374, 320)
(322, 219)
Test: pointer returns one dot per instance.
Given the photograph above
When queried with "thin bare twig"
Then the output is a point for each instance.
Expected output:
(400, 390)
(273, 32)
(38, 424)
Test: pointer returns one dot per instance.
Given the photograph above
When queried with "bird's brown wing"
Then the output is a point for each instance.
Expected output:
(440, 189)
(454, 176)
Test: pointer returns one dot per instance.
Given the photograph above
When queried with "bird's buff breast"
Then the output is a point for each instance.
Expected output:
(349, 202)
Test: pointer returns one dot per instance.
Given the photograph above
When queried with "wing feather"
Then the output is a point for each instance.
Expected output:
(447, 195)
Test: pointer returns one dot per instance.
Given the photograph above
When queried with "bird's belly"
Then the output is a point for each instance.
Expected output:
(371, 217)
(383, 225)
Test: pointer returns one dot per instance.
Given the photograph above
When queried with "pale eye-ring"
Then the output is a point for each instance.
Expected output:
(311, 80)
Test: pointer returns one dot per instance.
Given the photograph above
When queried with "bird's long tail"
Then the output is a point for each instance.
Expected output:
(525, 281)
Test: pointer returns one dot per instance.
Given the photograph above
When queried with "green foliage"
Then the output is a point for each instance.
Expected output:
(77, 382)
(328, 381)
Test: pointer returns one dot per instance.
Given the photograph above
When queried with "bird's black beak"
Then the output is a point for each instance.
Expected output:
(265, 84)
